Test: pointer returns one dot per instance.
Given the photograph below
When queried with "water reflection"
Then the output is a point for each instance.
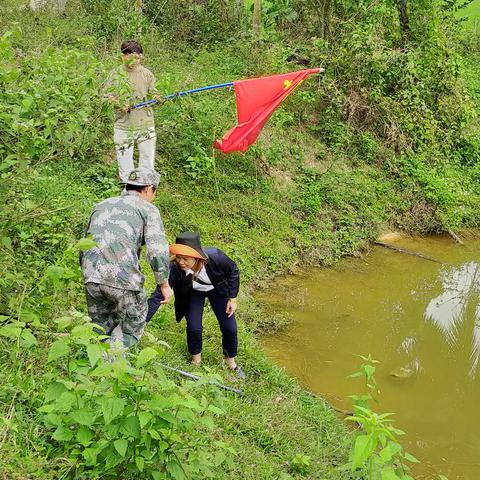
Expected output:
(447, 311)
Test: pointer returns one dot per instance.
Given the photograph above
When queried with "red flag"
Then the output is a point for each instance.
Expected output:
(256, 99)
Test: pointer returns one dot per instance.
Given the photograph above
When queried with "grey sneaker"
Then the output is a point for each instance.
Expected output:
(239, 373)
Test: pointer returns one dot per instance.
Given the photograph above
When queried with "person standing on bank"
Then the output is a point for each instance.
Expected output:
(113, 279)
(126, 85)
(197, 274)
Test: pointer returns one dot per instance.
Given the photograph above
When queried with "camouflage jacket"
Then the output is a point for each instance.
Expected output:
(120, 226)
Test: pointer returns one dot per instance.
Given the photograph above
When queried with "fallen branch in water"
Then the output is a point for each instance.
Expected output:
(409, 252)
(455, 237)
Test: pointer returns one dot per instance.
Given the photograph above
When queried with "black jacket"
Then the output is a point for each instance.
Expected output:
(221, 270)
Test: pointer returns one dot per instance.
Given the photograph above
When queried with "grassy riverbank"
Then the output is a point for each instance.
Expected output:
(385, 139)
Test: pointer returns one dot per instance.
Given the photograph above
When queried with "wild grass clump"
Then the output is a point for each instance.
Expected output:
(387, 138)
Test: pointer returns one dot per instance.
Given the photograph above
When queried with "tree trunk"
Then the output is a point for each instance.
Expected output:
(403, 16)
(325, 9)
(58, 6)
(257, 18)
(240, 12)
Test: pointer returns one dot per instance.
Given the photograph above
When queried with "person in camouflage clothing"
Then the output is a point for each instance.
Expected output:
(116, 299)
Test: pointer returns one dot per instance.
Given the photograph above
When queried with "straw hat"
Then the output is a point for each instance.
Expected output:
(188, 244)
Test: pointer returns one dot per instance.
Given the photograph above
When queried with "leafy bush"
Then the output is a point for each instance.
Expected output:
(384, 137)
(104, 416)
(196, 23)
(109, 418)
(53, 106)
(376, 451)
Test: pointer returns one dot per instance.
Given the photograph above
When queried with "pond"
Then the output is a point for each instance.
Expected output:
(419, 318)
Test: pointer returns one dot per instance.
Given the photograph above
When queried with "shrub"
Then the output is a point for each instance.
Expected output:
(53, 108)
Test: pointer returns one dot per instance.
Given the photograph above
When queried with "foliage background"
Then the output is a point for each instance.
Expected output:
(386, 139)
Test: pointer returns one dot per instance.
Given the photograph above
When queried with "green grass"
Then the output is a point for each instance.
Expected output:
(472, 13)
(320, 183)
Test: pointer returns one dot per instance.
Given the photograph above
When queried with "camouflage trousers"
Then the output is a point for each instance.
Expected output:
(122, 313)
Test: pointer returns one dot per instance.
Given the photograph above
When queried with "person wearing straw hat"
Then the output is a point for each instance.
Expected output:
(195, 275)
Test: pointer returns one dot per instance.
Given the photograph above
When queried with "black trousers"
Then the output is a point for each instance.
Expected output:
(194, 316)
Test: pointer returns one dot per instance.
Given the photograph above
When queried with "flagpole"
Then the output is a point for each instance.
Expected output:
(182, 94)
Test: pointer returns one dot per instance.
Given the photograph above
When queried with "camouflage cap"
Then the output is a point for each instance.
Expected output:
(143, 177)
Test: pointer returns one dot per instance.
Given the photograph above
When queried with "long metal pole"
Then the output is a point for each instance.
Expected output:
(182, 94)
(196, 377)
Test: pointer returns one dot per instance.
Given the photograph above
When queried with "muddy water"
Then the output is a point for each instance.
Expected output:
(421, 319)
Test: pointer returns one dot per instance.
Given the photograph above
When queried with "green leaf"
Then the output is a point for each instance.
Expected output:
(363, 448)
(102, 370)
(368, 359)
(168, 416)
(7, 242)
(220, 457)
(389, 474)
(28, 339)
(156, 475)
(52, 420)
(54, 391)
(90, 456)
(207, 422)
(216, 410)
(130, 426)
(369, 370)
(63, 322)
(111, 408)
(146, 356)
(82, 333)
(411, 458)
(121, 446)
(58, 349)
(175, 470)
(140, 462)
(32, 318)
(47, 408)
(144, 418)
(390, 451)
(86, 243)
(112, 458)
(11, 331)
(84, 435)
(94, 353)
(27, 102)
(65, 402)
(83, 416)
(154, 434)
(55, 273)
(192, 403)
(62, 434)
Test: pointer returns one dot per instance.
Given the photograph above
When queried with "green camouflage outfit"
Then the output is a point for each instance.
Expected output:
(113, 279)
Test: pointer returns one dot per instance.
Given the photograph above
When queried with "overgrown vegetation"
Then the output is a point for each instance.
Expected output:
(387, 138)
(376, 449)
